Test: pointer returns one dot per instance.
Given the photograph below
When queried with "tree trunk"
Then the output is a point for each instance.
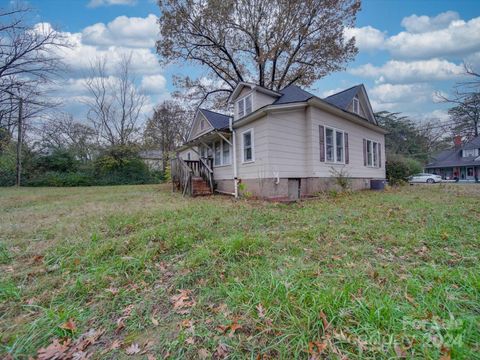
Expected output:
(19, 142)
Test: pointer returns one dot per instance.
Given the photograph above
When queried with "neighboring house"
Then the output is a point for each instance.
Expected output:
(283, 145)
(153, 159)
(460, 163)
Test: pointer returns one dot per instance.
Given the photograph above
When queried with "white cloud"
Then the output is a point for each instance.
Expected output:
(400, 92)
(97, 3)
(414, 71)
(460, 38)
(122, 36)
(123, 31)
(366, 38)
(399, 97)
(420, 24)
(154, 83)
(444, 35)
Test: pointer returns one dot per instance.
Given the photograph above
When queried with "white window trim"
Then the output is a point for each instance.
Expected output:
(379, 147)
(222, 141)
(335, 130)
(252, 139)
(356, 102)
(242, 101)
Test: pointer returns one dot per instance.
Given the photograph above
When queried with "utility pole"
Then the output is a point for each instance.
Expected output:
(19, 141)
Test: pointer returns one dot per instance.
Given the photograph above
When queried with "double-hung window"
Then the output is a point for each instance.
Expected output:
(221, 153)
(217, 158)
(372, 153)
(225, 153)
(334, 145)
(244, 106)
(247, 146)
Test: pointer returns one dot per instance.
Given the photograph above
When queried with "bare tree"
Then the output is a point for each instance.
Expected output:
(63, 132)
(465, 100)
(167, 128)
(273, 43)
(116, 103)
(28, 61)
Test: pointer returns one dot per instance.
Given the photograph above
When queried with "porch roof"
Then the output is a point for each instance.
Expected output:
(205, 138)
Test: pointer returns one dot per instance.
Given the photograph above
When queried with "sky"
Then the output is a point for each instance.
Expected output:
(409, 50)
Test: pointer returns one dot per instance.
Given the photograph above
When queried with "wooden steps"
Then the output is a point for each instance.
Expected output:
(200, 187)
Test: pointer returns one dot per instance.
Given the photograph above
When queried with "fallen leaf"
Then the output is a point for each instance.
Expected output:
(112, 290)
(151, 357)
(315, 349)
(222, 351)
(260, 311)
(38, 258)
(128, 310)
(154, 321)
(54, 351)
(132, 349)
(400, 352)
(234, 327)
(410, 299)
(445, 353)
(182, 302)
(324, 320)
(116, 344)
(203, 354)
(69, 325)
(120, 325)
(190, 341)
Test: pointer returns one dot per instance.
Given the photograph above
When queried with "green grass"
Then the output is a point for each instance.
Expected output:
(394, 272)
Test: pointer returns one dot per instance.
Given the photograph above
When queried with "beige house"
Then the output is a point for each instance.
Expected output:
(282, 145)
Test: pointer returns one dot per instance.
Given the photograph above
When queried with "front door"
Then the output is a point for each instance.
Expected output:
(470, 173)
(293, 189)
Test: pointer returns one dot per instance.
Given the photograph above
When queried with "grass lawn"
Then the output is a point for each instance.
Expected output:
(363, 275)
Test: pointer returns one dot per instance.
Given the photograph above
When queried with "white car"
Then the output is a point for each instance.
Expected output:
(425, 178)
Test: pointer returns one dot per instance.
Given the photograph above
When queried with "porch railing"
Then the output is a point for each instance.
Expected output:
(183, 171)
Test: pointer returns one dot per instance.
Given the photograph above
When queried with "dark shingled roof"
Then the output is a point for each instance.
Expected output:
(291, 94)
(218, 121)
(473, 144)
(453, 157)
(343, 98)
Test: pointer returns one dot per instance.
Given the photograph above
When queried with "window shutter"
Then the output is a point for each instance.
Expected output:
(321, 134)
(364, 152)
(347, 157)
(379, 155)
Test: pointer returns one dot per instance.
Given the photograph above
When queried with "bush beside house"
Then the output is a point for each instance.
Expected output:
(399, 168)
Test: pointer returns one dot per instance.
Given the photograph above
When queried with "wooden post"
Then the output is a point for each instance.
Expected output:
(19, 142)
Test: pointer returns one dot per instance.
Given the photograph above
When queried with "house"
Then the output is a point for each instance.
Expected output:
(153, 159)
(462, 162)
(282, 145)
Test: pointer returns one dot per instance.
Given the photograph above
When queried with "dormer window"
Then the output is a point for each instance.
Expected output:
(244, 106)
(356, 105)
(470, 152)
(202, 125)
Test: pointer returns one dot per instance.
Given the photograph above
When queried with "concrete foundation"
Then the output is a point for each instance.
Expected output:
(277, 189)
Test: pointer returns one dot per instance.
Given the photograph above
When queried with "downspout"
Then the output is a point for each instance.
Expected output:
(234, 145)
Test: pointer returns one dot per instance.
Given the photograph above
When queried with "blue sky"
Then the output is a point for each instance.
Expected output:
(409, 50)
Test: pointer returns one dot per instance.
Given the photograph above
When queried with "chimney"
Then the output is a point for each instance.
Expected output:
(457, 141)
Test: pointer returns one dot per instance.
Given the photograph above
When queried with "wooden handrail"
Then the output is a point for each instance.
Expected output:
(183, 171)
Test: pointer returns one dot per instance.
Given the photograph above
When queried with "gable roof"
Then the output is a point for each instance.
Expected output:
(453, 157)
(217, 120)
(343, 98)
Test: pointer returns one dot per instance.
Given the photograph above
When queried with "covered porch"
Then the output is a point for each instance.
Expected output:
(197, 161)
(457, 173)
